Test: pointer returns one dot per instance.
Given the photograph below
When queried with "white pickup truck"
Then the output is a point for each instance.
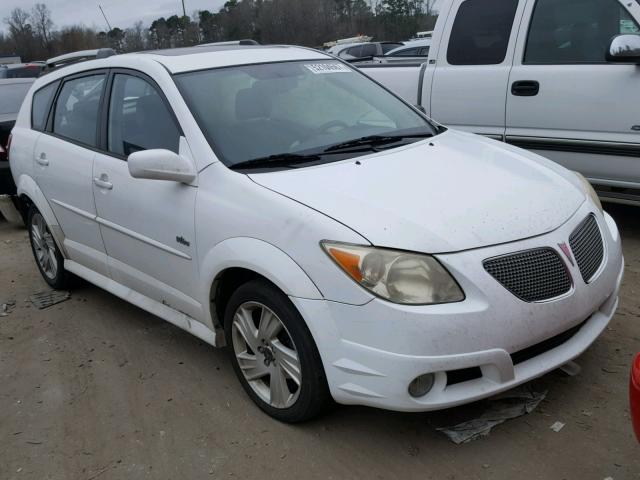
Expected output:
(559, 77)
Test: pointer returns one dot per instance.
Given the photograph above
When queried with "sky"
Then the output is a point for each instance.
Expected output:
(120, 13)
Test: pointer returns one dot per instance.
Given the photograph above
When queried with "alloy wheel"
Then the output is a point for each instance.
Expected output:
(266, 355)
(44, 246)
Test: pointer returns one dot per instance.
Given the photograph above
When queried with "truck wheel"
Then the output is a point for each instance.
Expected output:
(45, 251)
(273, 353)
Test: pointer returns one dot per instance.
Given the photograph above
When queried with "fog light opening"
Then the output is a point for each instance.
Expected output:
(421, 385)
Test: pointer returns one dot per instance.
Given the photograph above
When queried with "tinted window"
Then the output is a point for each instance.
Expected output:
(139, 118)
(369, 50)
(575, 31)
(11, 96)
(40, 105)
(353, 51)
(481, 31)
(407, 52)
(387, 47)
(76, 112)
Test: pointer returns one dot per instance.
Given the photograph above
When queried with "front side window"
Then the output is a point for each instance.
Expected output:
(139, 118)
(254, 111)
(407, 52)
(387, 47)
(40, 105)
(481, 32)
(76, 111)
(575, 31)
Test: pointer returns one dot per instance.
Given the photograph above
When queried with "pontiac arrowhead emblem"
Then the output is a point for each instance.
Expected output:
(567, 251)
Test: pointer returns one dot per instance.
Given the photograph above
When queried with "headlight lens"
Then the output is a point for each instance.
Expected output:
(400, 277)
(590, 191)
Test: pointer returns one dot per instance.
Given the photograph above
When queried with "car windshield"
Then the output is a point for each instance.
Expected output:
(294, 109)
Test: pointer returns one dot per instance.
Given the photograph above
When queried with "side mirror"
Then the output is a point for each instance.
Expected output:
(160, 164)
(624, 48)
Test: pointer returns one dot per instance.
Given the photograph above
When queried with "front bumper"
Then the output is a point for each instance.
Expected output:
(372, 352)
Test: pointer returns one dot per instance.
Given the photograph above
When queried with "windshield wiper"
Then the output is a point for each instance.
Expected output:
(375, 141)
(289, 160)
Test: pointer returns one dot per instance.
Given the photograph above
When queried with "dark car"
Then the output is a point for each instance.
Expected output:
(12, 93)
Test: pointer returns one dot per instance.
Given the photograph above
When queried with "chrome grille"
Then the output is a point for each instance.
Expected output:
(587, 247)
(532, 275)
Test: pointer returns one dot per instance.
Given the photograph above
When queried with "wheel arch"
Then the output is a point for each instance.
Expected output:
(29, 194)
(236, 261)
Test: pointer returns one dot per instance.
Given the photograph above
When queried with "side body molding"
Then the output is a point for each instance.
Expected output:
(260, 257)
(27, 186)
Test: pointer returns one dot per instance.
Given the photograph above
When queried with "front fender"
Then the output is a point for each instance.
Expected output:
(26, 185)
(260, 257)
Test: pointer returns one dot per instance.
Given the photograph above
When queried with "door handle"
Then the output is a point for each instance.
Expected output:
(42, 159)
(525, 88)
(103, 182)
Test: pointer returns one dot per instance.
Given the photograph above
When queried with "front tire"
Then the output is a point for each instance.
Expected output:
(45, 251)
(273, 353)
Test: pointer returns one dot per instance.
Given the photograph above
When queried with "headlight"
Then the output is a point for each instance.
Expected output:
(400, 277)
(588, 189)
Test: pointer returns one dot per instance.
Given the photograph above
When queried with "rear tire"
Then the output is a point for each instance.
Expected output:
(273, 353)
(46, 253)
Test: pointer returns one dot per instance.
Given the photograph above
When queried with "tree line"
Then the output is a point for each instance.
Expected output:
(33, 35)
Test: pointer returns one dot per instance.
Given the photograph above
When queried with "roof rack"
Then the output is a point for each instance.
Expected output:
(75, 57)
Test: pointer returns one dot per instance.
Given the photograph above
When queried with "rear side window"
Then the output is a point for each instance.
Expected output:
(369, 50)
(575, 31)
(40, 105)
(481, 32)
(138, 118)
(11, 97)
(76, 112)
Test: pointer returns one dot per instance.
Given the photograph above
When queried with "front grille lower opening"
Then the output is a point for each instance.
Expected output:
(544, 346)
(463, 375)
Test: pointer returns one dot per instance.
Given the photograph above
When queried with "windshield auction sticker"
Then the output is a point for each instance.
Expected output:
(318, 68)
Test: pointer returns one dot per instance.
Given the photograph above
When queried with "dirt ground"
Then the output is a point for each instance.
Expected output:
(97, 388)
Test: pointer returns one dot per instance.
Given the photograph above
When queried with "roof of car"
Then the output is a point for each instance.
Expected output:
(178, 60)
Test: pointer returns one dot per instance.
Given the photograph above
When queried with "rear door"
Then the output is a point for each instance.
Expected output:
(584, 113)
(470, 82)
(63, 164)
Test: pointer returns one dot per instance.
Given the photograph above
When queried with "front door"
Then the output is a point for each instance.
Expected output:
(584, 114)
(63, 165)
(147, 225)
(473, 63)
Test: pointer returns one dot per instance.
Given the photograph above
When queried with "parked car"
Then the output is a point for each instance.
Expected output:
(410, 51)
(12, 93)
(634, 396)
(351, 249)
(355, 51)
(21, 70)
(538, 78)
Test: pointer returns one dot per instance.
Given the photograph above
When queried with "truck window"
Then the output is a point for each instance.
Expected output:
(575, 31)
(481, 31)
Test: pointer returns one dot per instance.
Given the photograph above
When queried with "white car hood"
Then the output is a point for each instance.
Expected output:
(460, 193)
